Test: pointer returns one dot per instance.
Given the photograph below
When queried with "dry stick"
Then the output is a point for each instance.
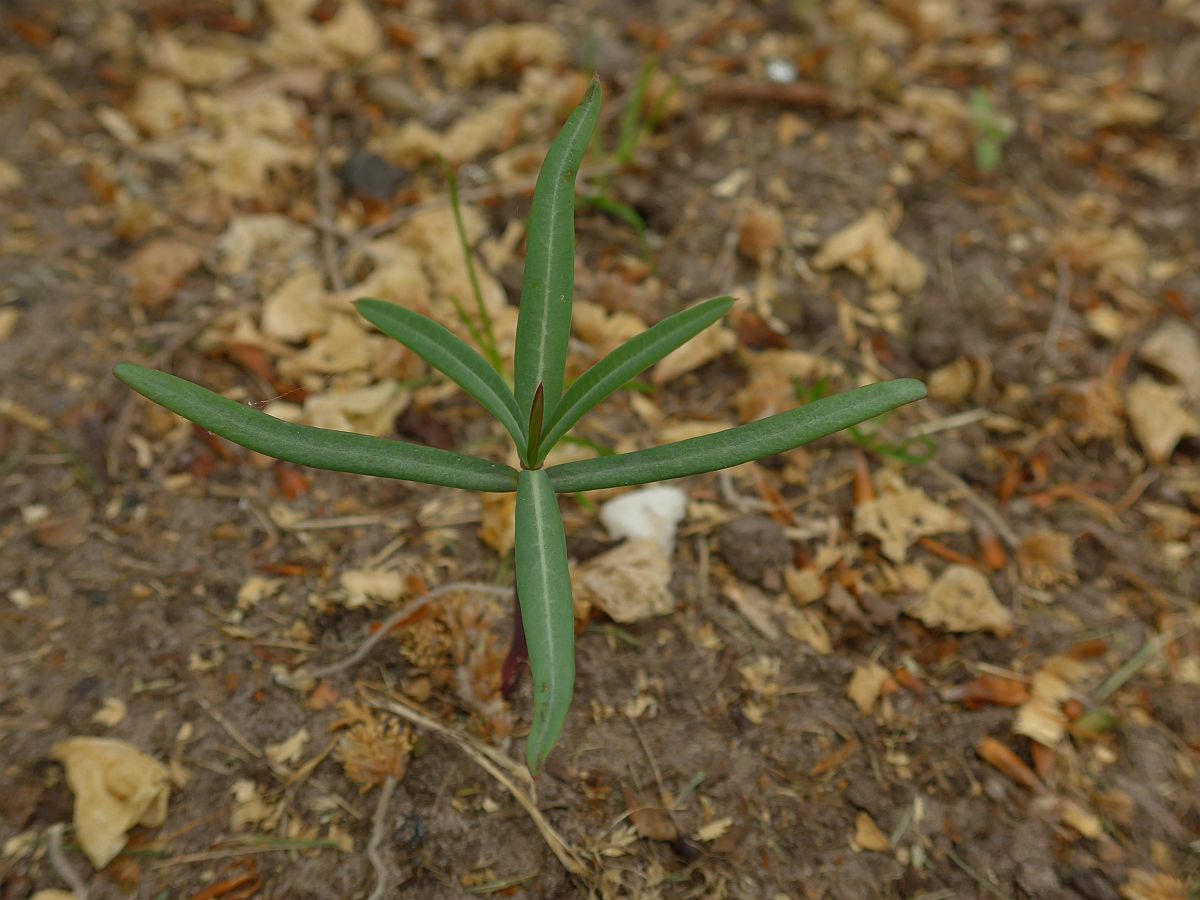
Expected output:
(492, 763)
(389, 623)
(1062, 298)
(230, 728)
(997, 521)
(383, 872)
(325, 203)
(60, 864)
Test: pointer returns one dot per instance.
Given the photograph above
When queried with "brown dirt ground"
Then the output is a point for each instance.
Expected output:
(119, 574)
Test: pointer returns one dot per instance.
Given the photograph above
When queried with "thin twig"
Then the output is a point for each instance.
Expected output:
(383, 872)
(230, 728)
(1062, 298)
(60, 864)
(972, 496)
(500, 768)
(410, 609)
(325, 202)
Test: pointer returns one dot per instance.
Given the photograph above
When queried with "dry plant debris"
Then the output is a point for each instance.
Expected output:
(986, 682)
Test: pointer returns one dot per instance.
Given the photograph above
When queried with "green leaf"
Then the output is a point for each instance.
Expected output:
(447, 353)
(544, 590)
(544, 320)
(735, 446)
(632, 357)
(317, 447)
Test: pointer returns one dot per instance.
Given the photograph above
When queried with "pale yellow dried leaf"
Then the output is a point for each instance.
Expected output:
(397, 279)
(1127, 108)
(10, 176)
(497, 527)
(604, 331)
(472, 135)
(344, 347)
(865, 685)
(755, 607)
(1117, 256)
(713, 829)
(962, 600)
(8, 321)
(495, 49)
(771, 388)
(868, 835)
(257, 588)
(1041, 716)
(1160, 417)
(288, 750)
(629, 583)
(866, 247)
(710, 344)
(158, 268)
(250, 808)
(243, 161)
(941, 118)
(116, 787)
(1046, 559)
(54, 894)
(900, 515)
(1174, 348)
(353, 33)
(159, 106)
(366, 410)
(296, 41)
(111, 714)
(804, 585)
(807, 626)
(952, 383)
(760, 232)
(296, 309)
(1143, 885)
(268, 240)
(195, 66)
(365, 586)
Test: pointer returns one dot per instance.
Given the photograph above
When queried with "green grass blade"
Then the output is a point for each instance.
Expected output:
(316, 447)
(544, 320)
(735, 446)
(634, 356)
(447, 353)
(486, 336)
(544, 589)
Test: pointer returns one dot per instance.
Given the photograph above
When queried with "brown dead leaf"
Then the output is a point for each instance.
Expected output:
(952, 383)
(158, 269)
(629, 583)
(159, 106)
(806, 625)
(1046, 559)
(10, 176)
(867, 248)
(900, 515)
(962, 600)
(1009, 764)
(8, 322)
(988, 689)
(652, 822)
(116, 787)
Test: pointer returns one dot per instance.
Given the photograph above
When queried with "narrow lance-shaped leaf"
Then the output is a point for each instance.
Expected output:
(544, 320)
(544, 588)
(623, 363)
(537, 414)
(447, 353)
(316, 447)
(735, 446)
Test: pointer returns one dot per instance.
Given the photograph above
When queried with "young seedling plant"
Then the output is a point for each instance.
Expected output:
(537, 413)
